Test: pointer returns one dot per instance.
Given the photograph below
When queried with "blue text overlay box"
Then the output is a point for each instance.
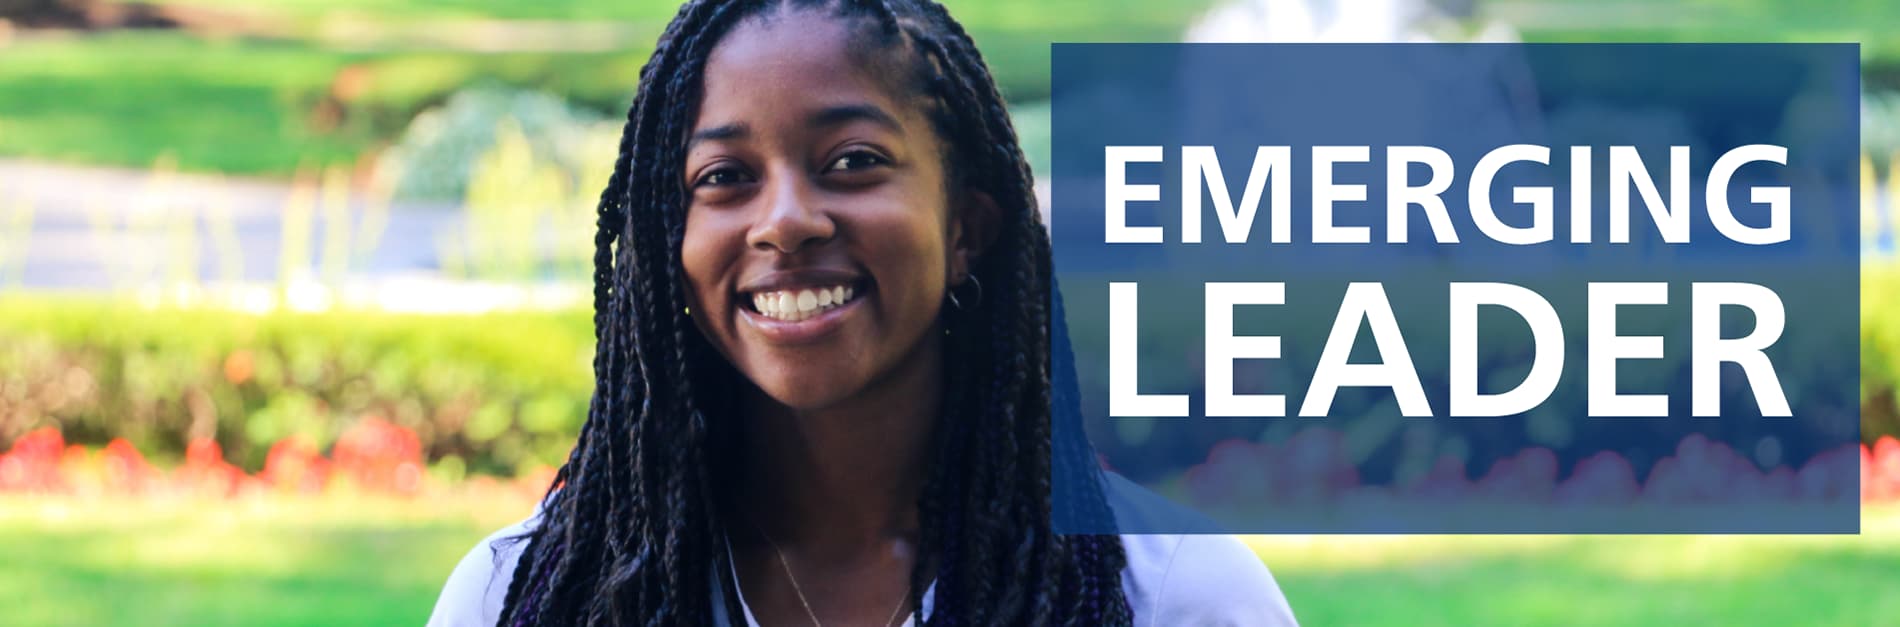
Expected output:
(1459, 288)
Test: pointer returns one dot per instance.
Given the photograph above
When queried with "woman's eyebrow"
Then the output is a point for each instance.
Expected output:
(728, 131)
(842, 114)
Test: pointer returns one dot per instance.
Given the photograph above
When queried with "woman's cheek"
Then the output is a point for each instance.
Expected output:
(922, 256)
(703, 257)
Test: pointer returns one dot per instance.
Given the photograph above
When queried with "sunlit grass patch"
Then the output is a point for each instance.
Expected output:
(1586, 580)
(275, 561)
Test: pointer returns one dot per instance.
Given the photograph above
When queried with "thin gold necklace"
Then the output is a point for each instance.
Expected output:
(801, 591)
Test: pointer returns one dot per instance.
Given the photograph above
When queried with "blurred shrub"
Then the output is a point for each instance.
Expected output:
(82, 14)
(492, 394)
(438, 155)
(527, 214)
(1033, 132)
(1880, 350)
(499, 392)
(1880, 125)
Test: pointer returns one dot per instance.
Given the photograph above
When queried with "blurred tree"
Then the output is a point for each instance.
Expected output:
(83, 14)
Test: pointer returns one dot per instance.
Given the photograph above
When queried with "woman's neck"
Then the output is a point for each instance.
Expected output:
(848, 475)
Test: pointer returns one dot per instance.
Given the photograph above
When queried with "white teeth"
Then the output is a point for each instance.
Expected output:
(796, 305)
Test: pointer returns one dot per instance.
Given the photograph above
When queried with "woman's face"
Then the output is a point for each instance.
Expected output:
(819, 238)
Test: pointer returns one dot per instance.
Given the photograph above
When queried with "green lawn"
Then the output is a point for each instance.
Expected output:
(340, 562)
(1594, 580)
(246, 106)
(267, 563)
(249, 105)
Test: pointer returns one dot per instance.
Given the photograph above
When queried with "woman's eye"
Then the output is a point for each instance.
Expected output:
(856, 160)
(720, 177)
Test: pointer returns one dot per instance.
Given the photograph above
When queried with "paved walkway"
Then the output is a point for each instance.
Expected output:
(104, 228)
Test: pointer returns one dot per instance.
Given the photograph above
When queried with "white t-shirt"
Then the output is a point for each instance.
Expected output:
(1201, 580)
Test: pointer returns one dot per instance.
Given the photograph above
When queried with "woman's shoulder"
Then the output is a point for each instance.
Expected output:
(477, 588)
(1198, 579)
(1201, 578)
(1186, 579)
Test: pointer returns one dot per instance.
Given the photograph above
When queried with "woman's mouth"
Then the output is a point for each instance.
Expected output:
(802, 312)
(799, 308)
(799, 304)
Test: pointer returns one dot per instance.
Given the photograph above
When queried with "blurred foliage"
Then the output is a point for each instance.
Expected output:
(1880, 350)
(302, 92)
(1014, 36)
(28, 11)
(260, 105)
(1867, 22)
(524, 212)
(498, 402)
(527, 170)
(501, 401)
(1880, 125)
(436, 156)
(253, 106)
(1034, 133)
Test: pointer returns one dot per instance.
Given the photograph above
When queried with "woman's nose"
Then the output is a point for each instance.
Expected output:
(793, 217)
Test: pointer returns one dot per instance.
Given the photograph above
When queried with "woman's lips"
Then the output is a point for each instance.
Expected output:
(792, 305)
(801, 315)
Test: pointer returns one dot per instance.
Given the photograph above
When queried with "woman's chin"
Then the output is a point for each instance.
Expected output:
(806, 394)
(806, 386)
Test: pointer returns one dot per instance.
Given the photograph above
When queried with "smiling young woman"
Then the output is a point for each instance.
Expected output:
(822, 396)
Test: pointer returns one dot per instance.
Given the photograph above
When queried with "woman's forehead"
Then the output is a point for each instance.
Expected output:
(796, 62)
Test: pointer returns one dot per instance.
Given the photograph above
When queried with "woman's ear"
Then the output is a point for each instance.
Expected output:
(972, 228)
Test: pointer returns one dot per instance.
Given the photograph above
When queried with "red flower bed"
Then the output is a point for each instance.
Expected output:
(1880, 471)
(295, 465)
(126, 470)
(380, 456)
(373, 456)
(32, 464)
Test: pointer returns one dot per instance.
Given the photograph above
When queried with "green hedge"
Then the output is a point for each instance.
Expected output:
(491, 394)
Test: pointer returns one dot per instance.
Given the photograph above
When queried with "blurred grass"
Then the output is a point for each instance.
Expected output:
(268, 562)
(250, 105)
(332, 562)
(1594, 580)
(247, 106)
